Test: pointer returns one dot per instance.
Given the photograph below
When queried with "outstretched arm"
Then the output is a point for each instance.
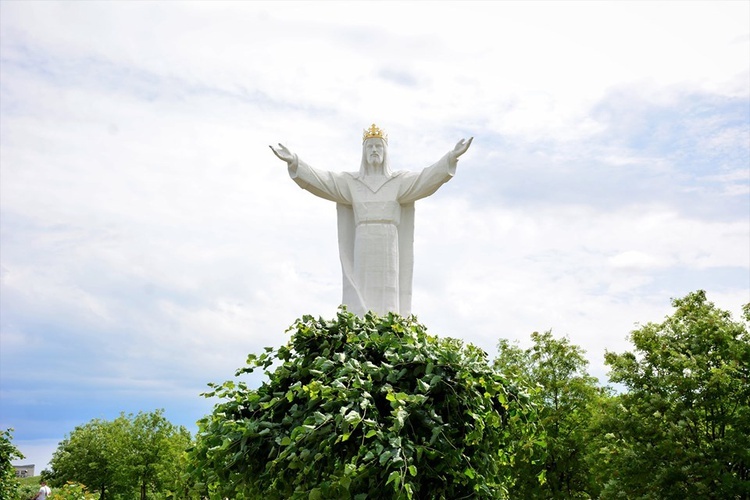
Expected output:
(422, 184)
(321, 183)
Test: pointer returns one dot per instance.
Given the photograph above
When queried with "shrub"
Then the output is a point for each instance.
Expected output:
(360, 408)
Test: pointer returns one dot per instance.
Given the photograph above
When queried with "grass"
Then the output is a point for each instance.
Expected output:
(32, 481)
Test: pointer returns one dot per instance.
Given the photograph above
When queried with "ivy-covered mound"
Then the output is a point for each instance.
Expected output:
(365, 408)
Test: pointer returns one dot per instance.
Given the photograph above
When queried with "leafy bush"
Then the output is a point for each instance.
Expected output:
(360, 408)
(28, 487)
(73, 491)
(8, 453)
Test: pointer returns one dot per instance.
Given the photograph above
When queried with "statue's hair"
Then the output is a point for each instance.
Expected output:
(363, 163)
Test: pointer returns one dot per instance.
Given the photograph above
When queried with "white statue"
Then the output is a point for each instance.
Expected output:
(375, 220)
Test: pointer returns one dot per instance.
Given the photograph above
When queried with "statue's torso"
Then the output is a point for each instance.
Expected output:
(375, 229)
(375, 206)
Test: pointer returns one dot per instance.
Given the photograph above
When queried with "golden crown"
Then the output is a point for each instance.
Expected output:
(374, 133)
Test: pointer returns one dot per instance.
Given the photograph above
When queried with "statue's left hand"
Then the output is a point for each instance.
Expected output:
(282, 153)
(462, 146)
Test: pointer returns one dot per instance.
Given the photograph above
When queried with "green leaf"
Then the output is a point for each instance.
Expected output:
(353, 417)
(409, 490)
(345, 482)
(395, 478)
(315, 494)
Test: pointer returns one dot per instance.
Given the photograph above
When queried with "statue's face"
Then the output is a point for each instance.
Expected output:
(375, 152)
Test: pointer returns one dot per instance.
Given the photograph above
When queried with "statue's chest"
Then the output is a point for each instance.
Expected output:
(376, 206)
(377, 190)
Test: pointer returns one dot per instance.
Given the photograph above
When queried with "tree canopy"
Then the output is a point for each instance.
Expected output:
(132, 453)
(369, 407)
(681, 429)
(567, 396)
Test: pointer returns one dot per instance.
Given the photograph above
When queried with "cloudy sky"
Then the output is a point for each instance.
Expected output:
(151, 240)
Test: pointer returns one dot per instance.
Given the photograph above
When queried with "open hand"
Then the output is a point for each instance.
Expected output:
(282, 153)
(462, 146)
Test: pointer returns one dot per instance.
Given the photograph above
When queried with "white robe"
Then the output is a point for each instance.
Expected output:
(376, 229)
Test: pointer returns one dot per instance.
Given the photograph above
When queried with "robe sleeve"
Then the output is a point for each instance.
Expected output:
(327, 185)
(417, 185)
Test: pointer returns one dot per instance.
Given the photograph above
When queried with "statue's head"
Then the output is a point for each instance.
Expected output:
(374, 152)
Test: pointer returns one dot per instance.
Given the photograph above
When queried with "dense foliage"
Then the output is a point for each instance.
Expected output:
(567, 397)
(375, 407)
(8, 453)
(368, 407)
(682, 427)
(129, 457)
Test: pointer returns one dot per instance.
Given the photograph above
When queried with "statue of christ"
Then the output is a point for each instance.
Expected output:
(375, 219)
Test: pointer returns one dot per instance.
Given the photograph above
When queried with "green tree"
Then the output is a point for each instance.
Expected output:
(8, 453)
(361, 408)
(157, 447)
(88, 455)
(682, 429)
(567, 397)
(133, 453)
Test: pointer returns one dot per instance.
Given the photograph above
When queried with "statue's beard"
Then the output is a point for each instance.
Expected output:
(375, 163)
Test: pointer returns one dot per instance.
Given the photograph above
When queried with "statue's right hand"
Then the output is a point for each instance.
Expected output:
(282, 153)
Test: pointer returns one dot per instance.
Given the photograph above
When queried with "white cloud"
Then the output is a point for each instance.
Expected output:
(634, 260)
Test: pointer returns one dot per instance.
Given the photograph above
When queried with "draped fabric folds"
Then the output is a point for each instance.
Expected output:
(375, 229)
